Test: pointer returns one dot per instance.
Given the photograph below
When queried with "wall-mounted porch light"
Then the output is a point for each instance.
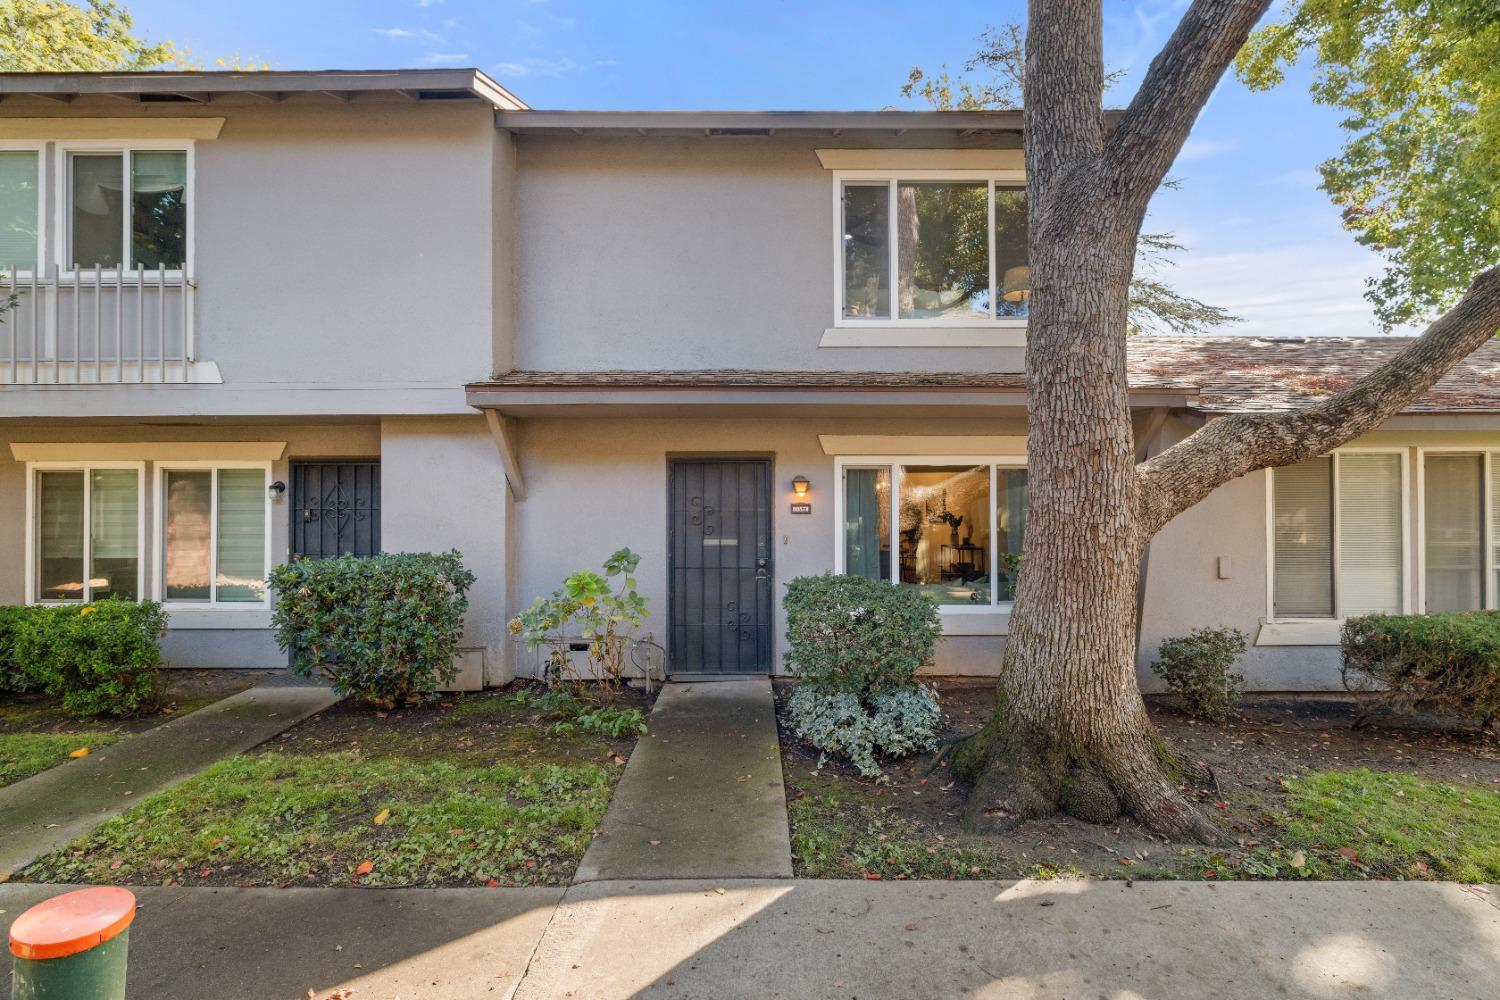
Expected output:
(275, 490)
(800, 485)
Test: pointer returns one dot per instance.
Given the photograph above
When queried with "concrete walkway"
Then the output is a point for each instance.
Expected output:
(44, 812)
(730, 939)
(702, 796)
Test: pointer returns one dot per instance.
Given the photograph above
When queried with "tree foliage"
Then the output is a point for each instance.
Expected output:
(995, 78)
(1419, 84)
(54, 36)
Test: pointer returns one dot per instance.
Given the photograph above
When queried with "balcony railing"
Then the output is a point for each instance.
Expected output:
(96, 326)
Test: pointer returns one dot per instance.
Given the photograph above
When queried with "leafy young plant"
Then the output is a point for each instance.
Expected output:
(605, 615)
(1199, 668)
(13, 678)
(894, 723)
(1447, 663)
(100, 658)
(382, 627)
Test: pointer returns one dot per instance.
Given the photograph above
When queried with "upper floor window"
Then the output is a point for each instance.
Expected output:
(20, 208)
(938, 251)
(125, 208)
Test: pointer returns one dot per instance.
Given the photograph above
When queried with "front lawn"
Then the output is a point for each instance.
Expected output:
(1302, 793)
(481, 789)
(35, 733)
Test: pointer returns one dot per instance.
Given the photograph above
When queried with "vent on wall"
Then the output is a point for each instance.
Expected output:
(445, 95)
(739, 131)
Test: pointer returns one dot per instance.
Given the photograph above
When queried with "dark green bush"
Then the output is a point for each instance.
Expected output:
(100, 658)
(865, 637)
(1199, 668)
(12, 677)
(1448, 664)
(382, 627)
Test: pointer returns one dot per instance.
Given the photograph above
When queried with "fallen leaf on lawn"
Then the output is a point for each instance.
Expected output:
(743, 777)
(719, 891)
(1299, 860)
(872, 876)
(115, 864)
(1422, 867)
(492, 884)
(5, 877)
(381, 817)
(80, 752)
(654, 843)
(365, 868)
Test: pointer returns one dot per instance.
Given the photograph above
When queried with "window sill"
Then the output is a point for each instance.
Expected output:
(1303, 632)
(975, 622)
(924, 336)
(190, 617)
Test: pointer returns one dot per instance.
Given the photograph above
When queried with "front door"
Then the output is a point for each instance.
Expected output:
(719, 566)
(335, 509)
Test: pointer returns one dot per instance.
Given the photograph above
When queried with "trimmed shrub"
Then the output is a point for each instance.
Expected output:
(892, 723)
(1199, 668)
(100, 658)
(1448, 664)
(12, 677)
(856, 646)
(382, 627)
(847, 633)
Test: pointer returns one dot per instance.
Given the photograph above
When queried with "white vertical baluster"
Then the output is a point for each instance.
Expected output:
(140, 323)
(98, 324)
(161, 315)
(11, 321)
(36, 309)
(189, 347)
(119, 333)
(77, 328)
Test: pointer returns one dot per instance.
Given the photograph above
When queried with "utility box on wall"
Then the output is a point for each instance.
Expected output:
(470, 664)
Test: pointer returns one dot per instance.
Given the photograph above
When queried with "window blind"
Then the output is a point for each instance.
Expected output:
(114, 518)
(1303, 538)
(241, 536)
(1369, 527)
(1454, 530)
(18, 204)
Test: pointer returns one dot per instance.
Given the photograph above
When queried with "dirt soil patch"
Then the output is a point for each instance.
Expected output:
(493, 788)
(1303, 793)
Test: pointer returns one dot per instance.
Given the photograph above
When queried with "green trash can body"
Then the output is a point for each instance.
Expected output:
(96, 974)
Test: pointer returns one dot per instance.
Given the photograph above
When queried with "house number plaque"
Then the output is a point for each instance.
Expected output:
(801, 508)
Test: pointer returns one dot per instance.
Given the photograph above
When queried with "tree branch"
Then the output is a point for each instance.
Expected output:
(1178, 84)
(1229, 447)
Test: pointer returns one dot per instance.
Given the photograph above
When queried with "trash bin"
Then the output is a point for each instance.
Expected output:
(73, 946)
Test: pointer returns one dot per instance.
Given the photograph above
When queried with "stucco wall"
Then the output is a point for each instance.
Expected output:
(336, 246)
(187, 644)
(688, 253)
(442, 487)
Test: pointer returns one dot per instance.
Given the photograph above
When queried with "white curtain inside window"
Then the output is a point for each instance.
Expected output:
(1370, 569)
(1303, 530)
(1454, 530)
(114, 517)
(242, 536)
(18, 217)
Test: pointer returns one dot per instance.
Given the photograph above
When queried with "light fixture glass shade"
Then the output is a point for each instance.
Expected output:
(800, 485)
(1016, 285)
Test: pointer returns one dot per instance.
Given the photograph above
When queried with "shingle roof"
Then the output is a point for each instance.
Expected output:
(1220, 374)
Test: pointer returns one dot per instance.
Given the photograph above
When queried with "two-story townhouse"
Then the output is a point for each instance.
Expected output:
(415, 314)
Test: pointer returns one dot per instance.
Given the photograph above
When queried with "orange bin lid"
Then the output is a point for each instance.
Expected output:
(73, 922)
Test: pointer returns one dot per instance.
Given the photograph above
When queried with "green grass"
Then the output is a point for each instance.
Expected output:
(308, 818)
(1396, 824)
(25, 754)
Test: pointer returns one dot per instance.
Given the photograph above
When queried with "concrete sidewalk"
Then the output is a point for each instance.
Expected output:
(693, 940)
(702, 796)
(44, 812)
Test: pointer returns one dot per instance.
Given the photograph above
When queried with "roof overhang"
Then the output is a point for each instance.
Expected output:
(762, 123)
(202, 87)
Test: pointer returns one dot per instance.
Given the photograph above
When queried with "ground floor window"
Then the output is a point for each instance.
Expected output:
(86, 532)
(953, 530)
(214, 534)
(1458, 494)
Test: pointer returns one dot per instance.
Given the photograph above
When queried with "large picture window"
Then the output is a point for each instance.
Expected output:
(953, 530)
(214, 528)
(939, 251)
(1338, 530)
(86, 533)
(20, 233)
(125, 208)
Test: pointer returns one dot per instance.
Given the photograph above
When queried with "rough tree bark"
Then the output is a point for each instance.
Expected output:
(1070, 729)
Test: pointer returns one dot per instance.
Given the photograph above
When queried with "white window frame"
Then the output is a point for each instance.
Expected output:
(1487, 543)
(892, 464)
(32, 468)
(159, 547)
(1407, 513)
(63, 159)
(993, 179)
(40, 149)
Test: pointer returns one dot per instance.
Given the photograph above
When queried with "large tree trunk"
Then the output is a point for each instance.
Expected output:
(1070, 728)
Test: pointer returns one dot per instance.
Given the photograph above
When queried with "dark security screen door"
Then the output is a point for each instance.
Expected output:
(335, 509)
(719, 550)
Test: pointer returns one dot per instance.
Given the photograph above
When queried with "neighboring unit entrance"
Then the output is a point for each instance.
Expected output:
(719, 565)
(335, 509)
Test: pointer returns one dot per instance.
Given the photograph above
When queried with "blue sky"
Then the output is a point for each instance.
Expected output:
(1264, 242)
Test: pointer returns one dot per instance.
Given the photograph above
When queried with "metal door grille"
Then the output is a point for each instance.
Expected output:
(335, 509)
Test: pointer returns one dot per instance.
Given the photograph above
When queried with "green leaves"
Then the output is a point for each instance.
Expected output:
(1446, 663)
(382, 627)
(604, 615)
(847, 633)
(1419, 83)
(99, 658)
(57, 36)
